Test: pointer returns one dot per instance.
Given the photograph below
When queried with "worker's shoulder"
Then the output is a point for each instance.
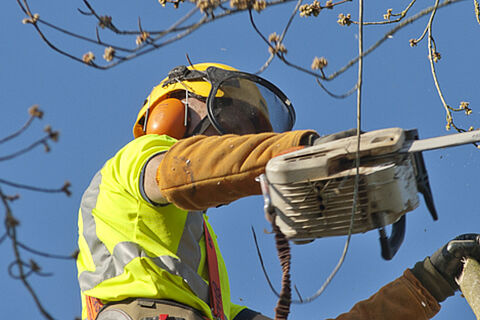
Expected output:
(137, 152)
(150, 143)
(127, 164)
(151, 140)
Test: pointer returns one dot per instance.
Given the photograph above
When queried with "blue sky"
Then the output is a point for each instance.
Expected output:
(94, 111)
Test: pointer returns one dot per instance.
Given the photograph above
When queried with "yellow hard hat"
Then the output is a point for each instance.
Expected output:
(233, 97)
(162, 92)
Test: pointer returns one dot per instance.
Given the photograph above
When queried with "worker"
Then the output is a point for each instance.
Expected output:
(202, 136)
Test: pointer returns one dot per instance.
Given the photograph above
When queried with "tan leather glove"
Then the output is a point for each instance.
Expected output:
(201, 172)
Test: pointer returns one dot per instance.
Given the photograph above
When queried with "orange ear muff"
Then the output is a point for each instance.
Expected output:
(167, 117)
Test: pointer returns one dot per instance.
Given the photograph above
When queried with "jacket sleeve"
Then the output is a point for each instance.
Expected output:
(201, 172)
(403, 299)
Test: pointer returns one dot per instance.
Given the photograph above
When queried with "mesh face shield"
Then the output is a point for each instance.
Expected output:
(239, 102)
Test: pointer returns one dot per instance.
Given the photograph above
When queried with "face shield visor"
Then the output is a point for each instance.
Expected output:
(238, 102)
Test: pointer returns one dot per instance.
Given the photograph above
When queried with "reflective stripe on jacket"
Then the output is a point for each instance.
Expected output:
(130, 247)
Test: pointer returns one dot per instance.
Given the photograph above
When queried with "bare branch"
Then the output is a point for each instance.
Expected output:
(34, 112)
(2, 238)
(42, 141)
(338, 96)
(314, 9)
(19, 131)
(47, 255)
(64, 188)
(32, 267)
(20, 265)
(176, 31)
(19, 268)
(389, 14)
(389, 34)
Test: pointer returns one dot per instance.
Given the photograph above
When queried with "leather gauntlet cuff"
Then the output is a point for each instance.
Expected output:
(432, 280)
(201, 172)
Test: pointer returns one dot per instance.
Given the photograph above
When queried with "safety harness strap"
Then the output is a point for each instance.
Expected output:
(94, 305)
(216, 303)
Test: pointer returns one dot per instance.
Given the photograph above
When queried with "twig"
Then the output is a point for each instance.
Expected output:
(400, 16)
(138, 51)
(389, 34)
(429, 24)
(34, 269)
(18, 268)
(19, 131)
(46, 255)
(64, 188)
(26, 9)
(282, 35)
(266, 64)
(431, 52)
(338, 96)
(18, 153)
(260, 33)
(22, 274)
(75, 35)
(2, 238)
(109, 25)
(365, 52)
(290, 20)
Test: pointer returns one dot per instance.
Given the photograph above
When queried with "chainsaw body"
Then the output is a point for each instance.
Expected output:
(311, 191)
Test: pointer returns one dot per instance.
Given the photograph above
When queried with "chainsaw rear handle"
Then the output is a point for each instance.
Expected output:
(390, 245)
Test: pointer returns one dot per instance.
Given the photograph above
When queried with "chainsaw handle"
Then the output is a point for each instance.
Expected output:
(390, 245)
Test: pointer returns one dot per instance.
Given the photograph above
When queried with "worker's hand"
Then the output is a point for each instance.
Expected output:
(438, 272)
(448, 259)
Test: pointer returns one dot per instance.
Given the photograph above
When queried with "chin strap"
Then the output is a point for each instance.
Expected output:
(202, 126)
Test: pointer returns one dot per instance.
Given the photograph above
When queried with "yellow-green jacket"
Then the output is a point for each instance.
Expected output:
(130, 247)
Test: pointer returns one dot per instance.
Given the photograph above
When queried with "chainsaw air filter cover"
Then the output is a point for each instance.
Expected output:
(311, 190)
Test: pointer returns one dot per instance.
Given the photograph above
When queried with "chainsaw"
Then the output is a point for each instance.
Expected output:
(309, 193)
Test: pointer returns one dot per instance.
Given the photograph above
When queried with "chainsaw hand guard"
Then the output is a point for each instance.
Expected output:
(390, 245)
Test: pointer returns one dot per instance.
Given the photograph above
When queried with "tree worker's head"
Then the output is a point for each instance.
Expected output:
(210, 99)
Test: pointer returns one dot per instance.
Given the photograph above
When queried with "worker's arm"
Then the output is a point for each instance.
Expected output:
(403, 299)
(150, 185)
(417, 294)
(202, 172)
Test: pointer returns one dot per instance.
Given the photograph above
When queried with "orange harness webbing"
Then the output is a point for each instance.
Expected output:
(93, 307)
(216, 303)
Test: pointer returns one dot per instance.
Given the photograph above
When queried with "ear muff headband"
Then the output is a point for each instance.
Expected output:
(167, 117)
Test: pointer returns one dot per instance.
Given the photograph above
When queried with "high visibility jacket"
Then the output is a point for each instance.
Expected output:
(130, 247)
